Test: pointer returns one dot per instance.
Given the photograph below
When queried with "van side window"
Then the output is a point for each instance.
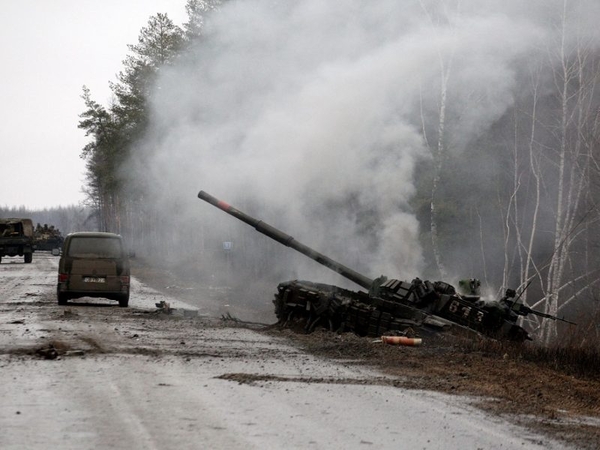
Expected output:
(85, 247)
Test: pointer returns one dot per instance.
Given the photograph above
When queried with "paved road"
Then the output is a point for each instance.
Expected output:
(129, 378)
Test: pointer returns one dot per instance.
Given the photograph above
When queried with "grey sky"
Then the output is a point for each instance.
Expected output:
(49, 50)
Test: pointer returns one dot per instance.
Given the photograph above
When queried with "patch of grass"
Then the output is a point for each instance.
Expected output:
(575, 353)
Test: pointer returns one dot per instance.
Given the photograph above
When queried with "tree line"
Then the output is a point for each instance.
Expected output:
(114, 130)
(66, 219)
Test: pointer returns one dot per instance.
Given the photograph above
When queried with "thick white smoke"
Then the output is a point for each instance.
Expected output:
(315, 110)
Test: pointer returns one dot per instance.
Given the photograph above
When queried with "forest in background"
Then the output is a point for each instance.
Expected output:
(67, 219)
(507, 196)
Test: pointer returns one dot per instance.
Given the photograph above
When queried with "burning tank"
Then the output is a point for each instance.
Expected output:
(386, 305)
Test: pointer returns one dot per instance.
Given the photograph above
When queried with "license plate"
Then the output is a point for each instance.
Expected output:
(94, 280)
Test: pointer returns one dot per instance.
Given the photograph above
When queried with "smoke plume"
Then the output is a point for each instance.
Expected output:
(317, 116)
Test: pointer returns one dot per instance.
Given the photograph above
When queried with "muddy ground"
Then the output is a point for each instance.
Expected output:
(563, 406)
(534, 395)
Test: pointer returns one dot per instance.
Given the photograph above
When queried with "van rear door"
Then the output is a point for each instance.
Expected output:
(94, 263)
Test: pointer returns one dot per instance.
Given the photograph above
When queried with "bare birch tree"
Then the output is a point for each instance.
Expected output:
(557, 163)
(439, 150)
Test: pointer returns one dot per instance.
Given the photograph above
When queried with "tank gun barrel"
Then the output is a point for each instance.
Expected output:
(288, 241)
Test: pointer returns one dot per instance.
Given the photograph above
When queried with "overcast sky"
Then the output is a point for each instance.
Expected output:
(49, 50)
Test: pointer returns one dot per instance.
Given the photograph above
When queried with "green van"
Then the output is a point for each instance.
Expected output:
(93, 264)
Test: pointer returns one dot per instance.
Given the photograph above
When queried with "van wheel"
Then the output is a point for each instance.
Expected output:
(62, 298)
(124, 301)
(28, 258)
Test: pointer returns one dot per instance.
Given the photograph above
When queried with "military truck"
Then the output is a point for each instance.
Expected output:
(16, 238)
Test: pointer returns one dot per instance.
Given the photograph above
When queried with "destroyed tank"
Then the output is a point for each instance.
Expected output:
(387, 305)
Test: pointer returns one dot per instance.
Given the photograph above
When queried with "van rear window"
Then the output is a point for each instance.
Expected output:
(95, 247)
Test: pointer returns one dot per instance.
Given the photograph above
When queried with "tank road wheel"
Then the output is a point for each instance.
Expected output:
(28, 258)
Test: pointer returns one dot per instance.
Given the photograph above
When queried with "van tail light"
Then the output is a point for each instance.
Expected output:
(63, 277)
(124, 280)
